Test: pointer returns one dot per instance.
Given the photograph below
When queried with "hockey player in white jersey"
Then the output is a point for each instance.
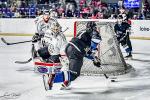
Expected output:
(53, 44)
(43, 23)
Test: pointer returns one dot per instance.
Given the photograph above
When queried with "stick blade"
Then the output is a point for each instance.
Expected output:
(4, 41)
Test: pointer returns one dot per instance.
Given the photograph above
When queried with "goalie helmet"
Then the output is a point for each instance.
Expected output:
(91, 25)
(55, 28)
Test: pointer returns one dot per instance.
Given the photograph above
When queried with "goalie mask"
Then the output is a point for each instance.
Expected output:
(55, 28)
(91, 26)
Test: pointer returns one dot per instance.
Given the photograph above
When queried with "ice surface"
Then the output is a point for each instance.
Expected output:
(19, 82)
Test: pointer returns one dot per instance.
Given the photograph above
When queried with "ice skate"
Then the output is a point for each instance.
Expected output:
(128, 57)
(48, 81)
(65, 85)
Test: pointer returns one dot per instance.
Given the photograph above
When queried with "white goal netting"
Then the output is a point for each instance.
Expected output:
(112, 61)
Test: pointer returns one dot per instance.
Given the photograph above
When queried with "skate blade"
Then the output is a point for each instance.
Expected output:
(65, 88)
(128, 58)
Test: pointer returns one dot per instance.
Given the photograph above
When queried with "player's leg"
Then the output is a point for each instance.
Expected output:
(75, 60)
(75, 63)
(129, 47)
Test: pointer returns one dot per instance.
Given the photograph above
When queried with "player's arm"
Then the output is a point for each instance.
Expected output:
(128, 30)
(38, 34)
(117, 33)
(96, 39)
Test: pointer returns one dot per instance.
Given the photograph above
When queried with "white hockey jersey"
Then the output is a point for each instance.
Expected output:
(56, 44)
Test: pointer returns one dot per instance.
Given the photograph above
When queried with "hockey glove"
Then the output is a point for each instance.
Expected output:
(36, 38)
(97, 62)
(90, 55)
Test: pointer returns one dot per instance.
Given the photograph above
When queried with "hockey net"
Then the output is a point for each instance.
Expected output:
(112, 61)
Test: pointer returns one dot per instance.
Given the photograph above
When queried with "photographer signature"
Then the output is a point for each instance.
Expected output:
(8, 95)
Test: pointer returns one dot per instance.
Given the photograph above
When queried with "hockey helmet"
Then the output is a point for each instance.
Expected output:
(46, 12)
(120, 19)
(91, 25)
(55, 28)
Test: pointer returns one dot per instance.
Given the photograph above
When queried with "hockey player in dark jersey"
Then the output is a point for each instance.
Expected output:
(122, 30)
(76, 51)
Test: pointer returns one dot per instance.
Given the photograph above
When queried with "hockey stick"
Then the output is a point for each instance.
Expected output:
(33, 56)
(27, 61)
(98, 60)
(99, 65)
(122, 38)
(106, 76)
(23, 62)
(7, 43)
(32, 51)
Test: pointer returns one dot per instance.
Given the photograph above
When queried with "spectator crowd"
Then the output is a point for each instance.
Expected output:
(95, 9)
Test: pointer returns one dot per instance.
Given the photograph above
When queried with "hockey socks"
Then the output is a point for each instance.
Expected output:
(58, 77)
(62, 76)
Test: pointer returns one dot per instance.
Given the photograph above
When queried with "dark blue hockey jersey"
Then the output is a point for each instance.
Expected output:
(84, 38)
(120, 29)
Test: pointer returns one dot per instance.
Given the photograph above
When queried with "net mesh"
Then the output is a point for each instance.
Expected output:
(112, 61)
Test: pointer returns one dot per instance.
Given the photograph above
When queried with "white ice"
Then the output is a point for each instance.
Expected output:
(19, 82)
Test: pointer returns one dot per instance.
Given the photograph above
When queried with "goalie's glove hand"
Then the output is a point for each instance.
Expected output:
(36, 38)
(97, 63)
